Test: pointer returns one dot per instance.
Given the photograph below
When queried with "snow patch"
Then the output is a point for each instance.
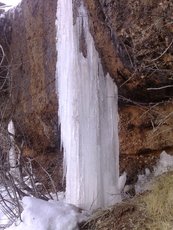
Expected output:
(2, 15)
(11, 6)
(43, 215)
(164, 165)
(143, 182)
(11, 3)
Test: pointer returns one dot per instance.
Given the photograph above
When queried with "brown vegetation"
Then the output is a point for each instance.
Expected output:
(149, 211)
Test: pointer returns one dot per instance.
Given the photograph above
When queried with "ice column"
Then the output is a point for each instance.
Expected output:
(87, 114)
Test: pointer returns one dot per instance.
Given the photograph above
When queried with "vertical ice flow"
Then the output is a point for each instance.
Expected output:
(87, 114)
(12, 157)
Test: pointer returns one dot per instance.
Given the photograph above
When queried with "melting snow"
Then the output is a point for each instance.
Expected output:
(44, 215)
(164, 164)
(11, 2)
(57, 215)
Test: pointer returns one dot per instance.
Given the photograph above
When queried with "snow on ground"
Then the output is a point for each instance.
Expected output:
(57, 215)
(9, 5)
(164, 164)
(4, 221)
(11, 2)
(47, 215)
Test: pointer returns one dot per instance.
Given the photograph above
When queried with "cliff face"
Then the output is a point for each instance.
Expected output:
(134, 41)
(32, 70)
(32, 101)
(5, 37)
(146, 130)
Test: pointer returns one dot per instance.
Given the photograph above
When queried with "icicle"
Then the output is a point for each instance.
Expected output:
(87, 114)
(11, 129)
(12, 153)
(121, 181)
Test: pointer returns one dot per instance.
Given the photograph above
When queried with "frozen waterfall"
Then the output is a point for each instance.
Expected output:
(87, 114)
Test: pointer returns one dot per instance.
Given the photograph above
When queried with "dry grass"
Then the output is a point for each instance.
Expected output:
(150, 211)
(159, 204)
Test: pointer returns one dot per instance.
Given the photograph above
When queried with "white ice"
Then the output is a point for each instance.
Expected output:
(12, 153)
(87, 114)
(121, 181)
(11, 129)
(12, 157)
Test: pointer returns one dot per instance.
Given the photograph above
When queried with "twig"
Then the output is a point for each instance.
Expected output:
(160, 88)
(155, 59)
(3, 55)
(50, 178)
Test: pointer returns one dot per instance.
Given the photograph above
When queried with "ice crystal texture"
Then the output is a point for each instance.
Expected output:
(87, 114)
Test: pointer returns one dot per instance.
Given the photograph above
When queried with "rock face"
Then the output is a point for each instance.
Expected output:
(134, 41)
(139, 45)
(31, 54)
(5, 37)
(32, 68)
(146, 129)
